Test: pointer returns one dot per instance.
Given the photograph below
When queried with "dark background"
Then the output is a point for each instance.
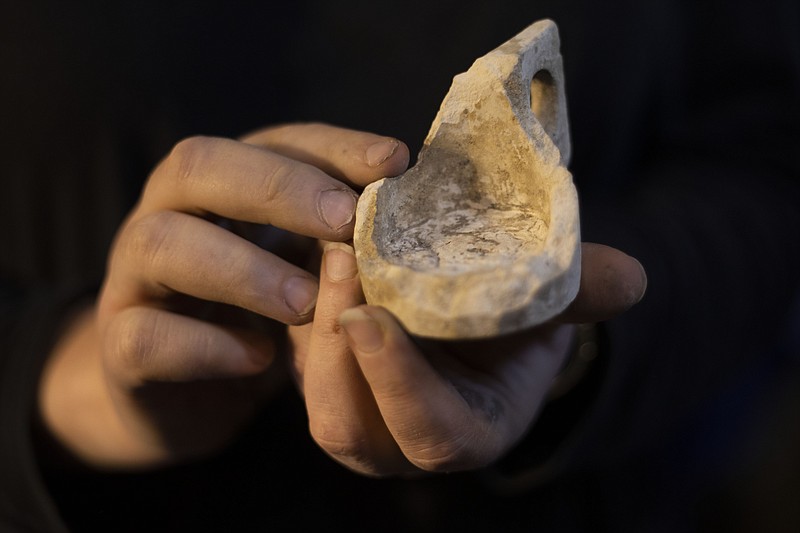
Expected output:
(684, 120)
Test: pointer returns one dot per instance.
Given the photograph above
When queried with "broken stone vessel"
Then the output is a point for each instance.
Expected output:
(481, 237)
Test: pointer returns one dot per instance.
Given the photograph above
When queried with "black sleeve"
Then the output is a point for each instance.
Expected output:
(29, 326)
(71, 155)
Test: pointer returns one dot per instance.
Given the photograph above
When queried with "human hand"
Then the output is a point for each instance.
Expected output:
(382, 403)
(173, 361)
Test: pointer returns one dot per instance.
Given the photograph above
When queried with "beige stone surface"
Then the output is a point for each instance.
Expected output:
(481, 237)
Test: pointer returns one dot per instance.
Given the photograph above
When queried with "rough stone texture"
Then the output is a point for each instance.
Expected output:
(481, 236)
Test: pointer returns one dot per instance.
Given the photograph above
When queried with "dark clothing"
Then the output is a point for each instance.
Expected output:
(685, 120)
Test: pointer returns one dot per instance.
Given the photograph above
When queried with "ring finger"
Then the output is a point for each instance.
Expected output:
(170, 252)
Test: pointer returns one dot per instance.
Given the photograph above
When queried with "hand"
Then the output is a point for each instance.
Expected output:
(381, 403)
(173, 360)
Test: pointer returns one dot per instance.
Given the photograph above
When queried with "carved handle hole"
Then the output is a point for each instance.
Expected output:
(544, 102)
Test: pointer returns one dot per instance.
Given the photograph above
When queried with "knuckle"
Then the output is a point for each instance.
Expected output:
(450, 455)
(339, 442)
(278, 181)
(187, 156)
(244, 284)
(314, 125)
(131, 341)
(147, 239)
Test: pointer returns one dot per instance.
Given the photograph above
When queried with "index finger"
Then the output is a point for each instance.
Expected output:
(204, 175)
(611, 283)
(355, 157)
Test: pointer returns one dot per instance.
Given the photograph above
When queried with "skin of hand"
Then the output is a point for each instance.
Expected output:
(382, 403)
(177, 354)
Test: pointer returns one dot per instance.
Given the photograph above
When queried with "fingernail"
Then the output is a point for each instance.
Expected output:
(363, 330)
(340, 261)
(300, 294)
(337, 207)
(380, 152)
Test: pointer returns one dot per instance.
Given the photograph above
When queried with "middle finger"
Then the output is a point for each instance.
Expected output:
(170, 252)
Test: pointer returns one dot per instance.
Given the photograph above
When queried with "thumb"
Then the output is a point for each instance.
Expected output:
(611, 283)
